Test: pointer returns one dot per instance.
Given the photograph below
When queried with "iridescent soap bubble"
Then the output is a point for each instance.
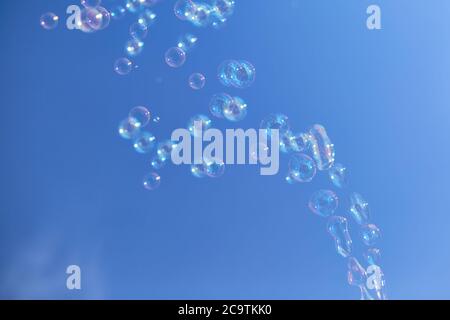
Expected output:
(338, 229)
(197, 81)
(157, 163)
(299, 142)
(118, 12)
(187, 42)
(223, 8)
(139, 116)
(303, 167)
(275, 121)
(372, 256)
(370, 234)
(203, 123)
(226, 70)
(151, 181)
(164, 149)
(243, 75)
(134, 47)
(337, 175)
(356, 275)
(236, 110)
(323, 203)
(147, 18)
(359, 208)
(123, 66)
(198, 170)
(127, 129)
(91, 3)
(138, 31)
(49, 21)
(175, 57)
(201, 16)
(321, 147)
(214, 168)
(184, 9)
(94, 19)
(144, 142)
(218, 103)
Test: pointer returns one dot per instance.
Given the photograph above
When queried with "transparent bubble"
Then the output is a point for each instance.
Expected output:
(49, 21)
(224, 8)
(175, 57)
(164, 150)
(91, 3)
(216, 20)
(104, 16)
(133, 6)
(321, 147)
(292, 177)
(197, 81)
(198, 170)
(299, 142)
(134, 47)
(323, 203)
(197, 123)
(243, 75)
(370, 234)
(184, 9)
(275, 121)
(158, 163)
(201, 16)
(144, 142)
(138, 31)
(187, 42)
(338, 229)
(286, 142)
(218, 103)
(356, 275)
(236, 110)
(372, 256)
(139, 116)
(337, 175)
(303, 166)
(123, 66)
(127, 130)
(156, 119)
(147, 18)
(118, 12)
(359, 208)
(151, 181)
(214, 168)
(226, 70)
(94, 19)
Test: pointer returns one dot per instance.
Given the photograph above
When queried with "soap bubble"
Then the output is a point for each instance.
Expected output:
(91, 3)
(243, 75)
(134, 47)
(236, 110)
(372, 256)
(164, 149)
(201, 15)
(359, 208)
(275, 121)
(133, 5)
(175, 57)
(323, 203)
(286, 142)
(151, 181)
(187, 42)
(138, 31)
(356, 275)
(184, 9)
(147, 18)
(49, 21)
(144, 142)
(370, 234)
(198, 170)
(214, 168)
(299, 142)
(225, 72)
(94, 19)
(291, 177)
(157, 163)
(218, 103)
(321, 147)
(139, 116)
(303, 167)
(223, 8)
(127, 129)
(338, 229)
(204, 124)
(197, 81)
(118, 12)
(123, 66)
(337, 175)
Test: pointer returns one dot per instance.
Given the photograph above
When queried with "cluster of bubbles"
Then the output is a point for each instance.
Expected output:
(312, 152)
(213, 13)
(223, 105)
(239, 74)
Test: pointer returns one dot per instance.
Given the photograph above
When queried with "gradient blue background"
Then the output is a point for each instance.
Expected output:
(71, 188)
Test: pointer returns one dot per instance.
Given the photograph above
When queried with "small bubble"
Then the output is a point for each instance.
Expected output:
(218, 104)
(151, 181)
(236, 110)
(127, 129)
(134, 47)
(324, 203)
(337, 175)
(138, 31)
(303, 167)
(139, 116)
(175, 57)
(370, 234)
(123, 66)
(359, 208)
(49, 21)
(144, 142)
(197, 81)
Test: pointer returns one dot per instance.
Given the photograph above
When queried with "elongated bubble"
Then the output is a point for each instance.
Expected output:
(321, 147)
(338, 229)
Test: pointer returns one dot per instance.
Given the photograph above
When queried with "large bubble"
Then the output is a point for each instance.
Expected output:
(303, 167)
